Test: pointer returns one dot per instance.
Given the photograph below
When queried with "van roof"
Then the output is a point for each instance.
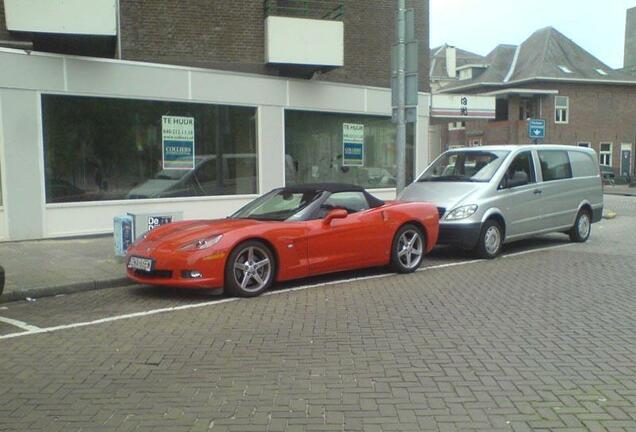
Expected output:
(511, 147)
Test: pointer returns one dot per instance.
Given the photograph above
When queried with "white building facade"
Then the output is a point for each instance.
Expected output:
(82, 140)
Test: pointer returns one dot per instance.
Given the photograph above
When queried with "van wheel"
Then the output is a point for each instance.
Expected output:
(582, 228)
(490, 240)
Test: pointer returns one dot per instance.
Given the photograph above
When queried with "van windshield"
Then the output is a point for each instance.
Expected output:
(464, 166)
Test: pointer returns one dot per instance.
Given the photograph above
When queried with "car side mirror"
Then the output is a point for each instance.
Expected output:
(335, 214)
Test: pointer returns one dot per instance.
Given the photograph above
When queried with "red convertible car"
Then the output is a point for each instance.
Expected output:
(288, 233)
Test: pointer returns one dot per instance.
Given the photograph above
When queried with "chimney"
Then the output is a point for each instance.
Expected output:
(451, 61)
(630, 38)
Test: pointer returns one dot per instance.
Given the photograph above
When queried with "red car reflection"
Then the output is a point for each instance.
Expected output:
(288, 233)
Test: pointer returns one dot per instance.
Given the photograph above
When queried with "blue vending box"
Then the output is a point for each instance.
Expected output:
(124, 233)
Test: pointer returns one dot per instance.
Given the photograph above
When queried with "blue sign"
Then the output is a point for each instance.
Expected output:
(536, 129)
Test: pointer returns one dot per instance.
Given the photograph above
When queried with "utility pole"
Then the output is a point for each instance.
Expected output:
(404, 83)
(401, 87)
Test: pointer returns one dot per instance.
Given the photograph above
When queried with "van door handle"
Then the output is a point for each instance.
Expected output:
(537, 191)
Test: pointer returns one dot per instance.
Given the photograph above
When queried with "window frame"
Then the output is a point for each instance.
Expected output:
(564, 109)
(602, 153)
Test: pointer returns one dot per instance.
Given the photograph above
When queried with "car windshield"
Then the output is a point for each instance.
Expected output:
(278, 205)
(464, 166)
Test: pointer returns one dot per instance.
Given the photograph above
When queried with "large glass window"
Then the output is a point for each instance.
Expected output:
(109, 149)
(355, 149)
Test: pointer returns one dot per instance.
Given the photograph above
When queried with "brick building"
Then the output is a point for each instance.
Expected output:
(225, 35)
(263, 91)
(583, 101)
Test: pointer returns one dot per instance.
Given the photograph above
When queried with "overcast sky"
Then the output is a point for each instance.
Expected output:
(479, 25)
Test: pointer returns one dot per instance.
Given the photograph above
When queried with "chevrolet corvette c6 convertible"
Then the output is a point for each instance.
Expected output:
(288, 233)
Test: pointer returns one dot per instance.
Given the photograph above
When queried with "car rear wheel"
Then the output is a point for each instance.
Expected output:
(582, 228)
(409, 246)
(250, 269)
(490, 240)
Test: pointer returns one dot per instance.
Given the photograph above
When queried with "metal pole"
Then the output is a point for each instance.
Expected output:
(401, 112)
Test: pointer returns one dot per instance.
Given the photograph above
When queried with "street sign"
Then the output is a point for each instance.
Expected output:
(536, 129)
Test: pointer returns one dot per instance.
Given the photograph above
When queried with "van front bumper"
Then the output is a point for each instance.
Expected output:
(464, 236)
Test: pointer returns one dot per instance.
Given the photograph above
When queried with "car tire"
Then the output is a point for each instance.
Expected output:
(250, 269)
(582, 227)
(408, 249)
(490, 240)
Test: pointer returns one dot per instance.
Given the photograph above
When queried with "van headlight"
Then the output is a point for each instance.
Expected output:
(462, 212)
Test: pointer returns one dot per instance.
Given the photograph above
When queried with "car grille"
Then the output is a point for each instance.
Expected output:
(441, 211)
(162, 274)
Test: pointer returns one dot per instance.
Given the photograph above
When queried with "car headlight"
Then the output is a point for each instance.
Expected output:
(203, 243)
(462, 212)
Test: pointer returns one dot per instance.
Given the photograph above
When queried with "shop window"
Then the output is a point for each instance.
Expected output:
(100, 149)
(561, 109)
(605, 155)
(345, 148)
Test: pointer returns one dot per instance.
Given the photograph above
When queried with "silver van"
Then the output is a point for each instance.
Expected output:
(491, 195)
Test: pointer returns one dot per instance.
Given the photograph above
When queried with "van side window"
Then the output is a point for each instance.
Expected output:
(521, 170)
(555, 165)
(582, 164)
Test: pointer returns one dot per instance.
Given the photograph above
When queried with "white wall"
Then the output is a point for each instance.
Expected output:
(25, 77)
(90, 17)
(304, 41)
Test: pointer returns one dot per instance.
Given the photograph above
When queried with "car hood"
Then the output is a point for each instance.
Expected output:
(180, 233)
(442, 194)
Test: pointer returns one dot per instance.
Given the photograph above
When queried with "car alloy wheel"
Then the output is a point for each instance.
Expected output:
(408, 251)
(492, 240)
(250, 269)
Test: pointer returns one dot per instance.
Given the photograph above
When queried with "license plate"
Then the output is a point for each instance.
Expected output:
(138, 263)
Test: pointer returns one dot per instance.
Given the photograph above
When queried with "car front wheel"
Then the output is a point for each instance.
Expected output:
(250, 269)
(490, 240)
(409, 246)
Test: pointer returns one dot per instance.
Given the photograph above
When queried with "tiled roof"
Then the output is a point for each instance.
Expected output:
(438, 61)
(547, 55)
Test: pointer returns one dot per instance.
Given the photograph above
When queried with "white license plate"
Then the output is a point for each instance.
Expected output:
(138, 263)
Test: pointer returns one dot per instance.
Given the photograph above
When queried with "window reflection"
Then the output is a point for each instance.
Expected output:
(110, 149)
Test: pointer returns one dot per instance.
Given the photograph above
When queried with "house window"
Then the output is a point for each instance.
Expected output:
(605, 155)
(561, 109)
(474, 142)
(583, 144)
(565, 69)
(457, 125)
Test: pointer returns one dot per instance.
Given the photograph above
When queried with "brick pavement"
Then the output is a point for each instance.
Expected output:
(544, 341)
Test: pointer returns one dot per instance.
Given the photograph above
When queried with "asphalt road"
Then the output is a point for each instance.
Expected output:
(542, 338)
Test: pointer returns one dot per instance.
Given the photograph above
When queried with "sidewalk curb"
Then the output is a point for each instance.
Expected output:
(64, 289)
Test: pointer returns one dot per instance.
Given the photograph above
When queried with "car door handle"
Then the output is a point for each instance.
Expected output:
(537, 191)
